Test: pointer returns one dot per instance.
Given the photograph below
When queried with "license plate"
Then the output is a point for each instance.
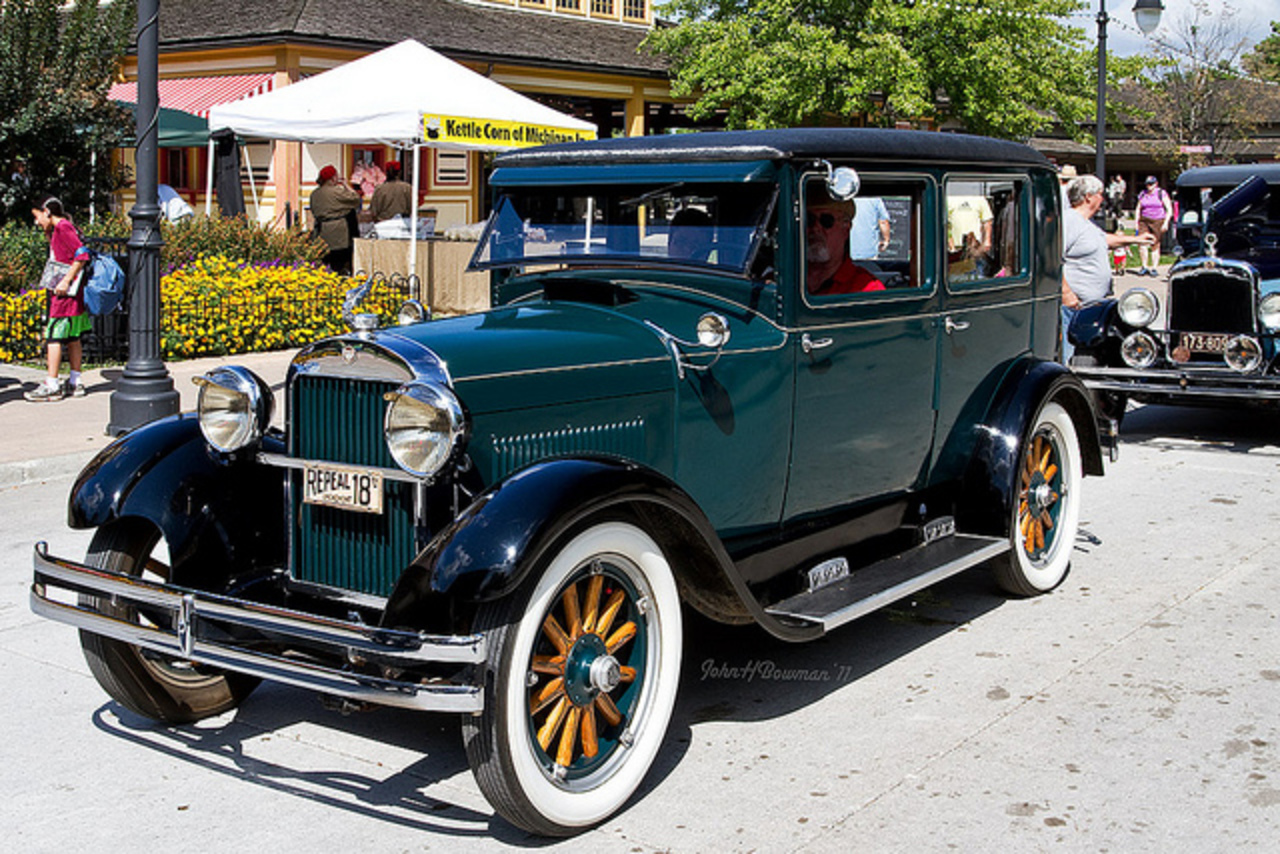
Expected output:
(340, 486)
(1200, 342)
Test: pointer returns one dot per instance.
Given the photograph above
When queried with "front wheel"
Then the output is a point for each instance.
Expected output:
(148, 683)
(584, 664)
(1046, 511)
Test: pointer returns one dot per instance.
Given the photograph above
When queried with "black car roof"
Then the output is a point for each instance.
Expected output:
(1229, 176)
(837, 143)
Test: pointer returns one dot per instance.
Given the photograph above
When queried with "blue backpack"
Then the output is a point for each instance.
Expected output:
(103, 285)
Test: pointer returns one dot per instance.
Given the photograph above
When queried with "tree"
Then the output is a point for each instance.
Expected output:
(1263, 61)
(56, 65)
(1193, 92)
(1005, 68)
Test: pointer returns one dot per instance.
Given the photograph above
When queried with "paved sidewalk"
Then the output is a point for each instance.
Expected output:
(44, 440)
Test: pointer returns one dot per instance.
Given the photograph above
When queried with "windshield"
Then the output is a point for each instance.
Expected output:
(716, 225)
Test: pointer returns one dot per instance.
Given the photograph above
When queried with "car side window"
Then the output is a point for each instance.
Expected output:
(986, 234)
(863, 247)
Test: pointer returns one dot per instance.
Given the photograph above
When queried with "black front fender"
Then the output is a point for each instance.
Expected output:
(1091, 325)
(496, 542)
(221, 516)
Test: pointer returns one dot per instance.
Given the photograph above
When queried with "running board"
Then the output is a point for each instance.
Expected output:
(889, 580)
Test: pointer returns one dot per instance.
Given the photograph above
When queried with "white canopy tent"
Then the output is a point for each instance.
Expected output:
(407, 96)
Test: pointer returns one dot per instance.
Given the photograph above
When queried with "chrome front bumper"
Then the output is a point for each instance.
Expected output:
(189, 611)
(1192, 384)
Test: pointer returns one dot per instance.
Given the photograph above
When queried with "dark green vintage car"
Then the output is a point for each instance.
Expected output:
(779, 377)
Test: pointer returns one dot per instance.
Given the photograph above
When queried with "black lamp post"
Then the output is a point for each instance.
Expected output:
(145, 391)
(1147, 15)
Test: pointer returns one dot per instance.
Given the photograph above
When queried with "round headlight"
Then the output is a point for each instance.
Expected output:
(412, 312)
(1139, 350)
(234, 407)
(1269, 312)
(1243, 354)
(423, 426)
(1138, 307)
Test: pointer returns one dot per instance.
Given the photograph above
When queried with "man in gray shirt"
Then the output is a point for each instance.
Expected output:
(1086, 265)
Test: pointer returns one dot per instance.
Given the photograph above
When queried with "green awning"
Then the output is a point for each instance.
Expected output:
(177, 129)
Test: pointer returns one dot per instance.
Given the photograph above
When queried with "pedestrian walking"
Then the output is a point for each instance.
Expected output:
(68, 318)
(1155, 210)
(1115, 197)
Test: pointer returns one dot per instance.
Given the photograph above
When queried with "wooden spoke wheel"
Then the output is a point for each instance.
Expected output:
(1046, 509)
(584, 678)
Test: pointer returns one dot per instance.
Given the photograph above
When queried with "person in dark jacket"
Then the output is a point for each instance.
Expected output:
(334, 206)
(393, 196)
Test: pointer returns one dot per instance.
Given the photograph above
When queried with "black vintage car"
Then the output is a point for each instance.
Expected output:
(699, 388)
(1217, 340)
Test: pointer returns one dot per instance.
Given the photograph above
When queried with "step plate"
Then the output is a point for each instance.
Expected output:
(889, 580)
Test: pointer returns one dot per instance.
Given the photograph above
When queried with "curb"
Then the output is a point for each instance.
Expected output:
(23, 472)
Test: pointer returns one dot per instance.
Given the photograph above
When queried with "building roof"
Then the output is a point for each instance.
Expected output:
(461, 30)
(867, 143)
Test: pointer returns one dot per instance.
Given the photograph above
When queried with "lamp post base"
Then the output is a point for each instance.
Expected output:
(138, 400)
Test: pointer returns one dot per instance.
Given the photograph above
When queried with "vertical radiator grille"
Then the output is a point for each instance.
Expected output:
(1211, 303)
(340, 420)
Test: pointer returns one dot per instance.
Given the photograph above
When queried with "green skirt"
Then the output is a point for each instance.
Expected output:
(67, 328)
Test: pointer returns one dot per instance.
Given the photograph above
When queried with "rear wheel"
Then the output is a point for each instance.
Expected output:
(1046, 511)
(584, 665)
(144, 682)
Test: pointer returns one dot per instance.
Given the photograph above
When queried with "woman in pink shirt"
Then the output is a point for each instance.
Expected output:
(68, 318)
(1154, 212)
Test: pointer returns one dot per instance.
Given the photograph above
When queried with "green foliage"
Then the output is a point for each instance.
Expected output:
(24, 248)
(56, 65)
(1263, 61)
(238, 238)
(1192, 91)
(1005, 68)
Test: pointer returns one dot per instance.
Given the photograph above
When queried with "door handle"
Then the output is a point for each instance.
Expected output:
(810, 344)
(955, 325)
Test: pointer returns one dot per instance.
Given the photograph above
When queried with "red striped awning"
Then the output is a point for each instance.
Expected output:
(196, 95)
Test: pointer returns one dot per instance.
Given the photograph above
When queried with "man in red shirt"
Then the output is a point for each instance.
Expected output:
(828, 269)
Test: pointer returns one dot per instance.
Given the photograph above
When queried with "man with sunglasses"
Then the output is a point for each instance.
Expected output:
(828, 269)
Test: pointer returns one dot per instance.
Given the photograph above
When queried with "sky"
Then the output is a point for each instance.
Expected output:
(1125, 39)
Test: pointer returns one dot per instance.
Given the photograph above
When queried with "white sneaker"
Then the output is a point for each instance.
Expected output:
(77, 390)
(45, 392)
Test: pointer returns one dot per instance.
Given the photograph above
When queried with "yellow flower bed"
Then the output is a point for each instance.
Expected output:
(218, 306)
(22, 326)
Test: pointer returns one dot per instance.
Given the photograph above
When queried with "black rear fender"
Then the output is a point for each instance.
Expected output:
(991, 481)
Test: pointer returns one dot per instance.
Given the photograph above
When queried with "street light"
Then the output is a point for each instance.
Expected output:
(1147, 15)
(145, 391)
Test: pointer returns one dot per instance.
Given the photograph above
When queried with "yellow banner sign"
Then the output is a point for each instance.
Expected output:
(494, 133)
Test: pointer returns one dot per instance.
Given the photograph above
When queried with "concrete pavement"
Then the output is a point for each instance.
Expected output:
(46, 440)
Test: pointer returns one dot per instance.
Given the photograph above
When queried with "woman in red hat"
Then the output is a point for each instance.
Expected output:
(332, 205)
